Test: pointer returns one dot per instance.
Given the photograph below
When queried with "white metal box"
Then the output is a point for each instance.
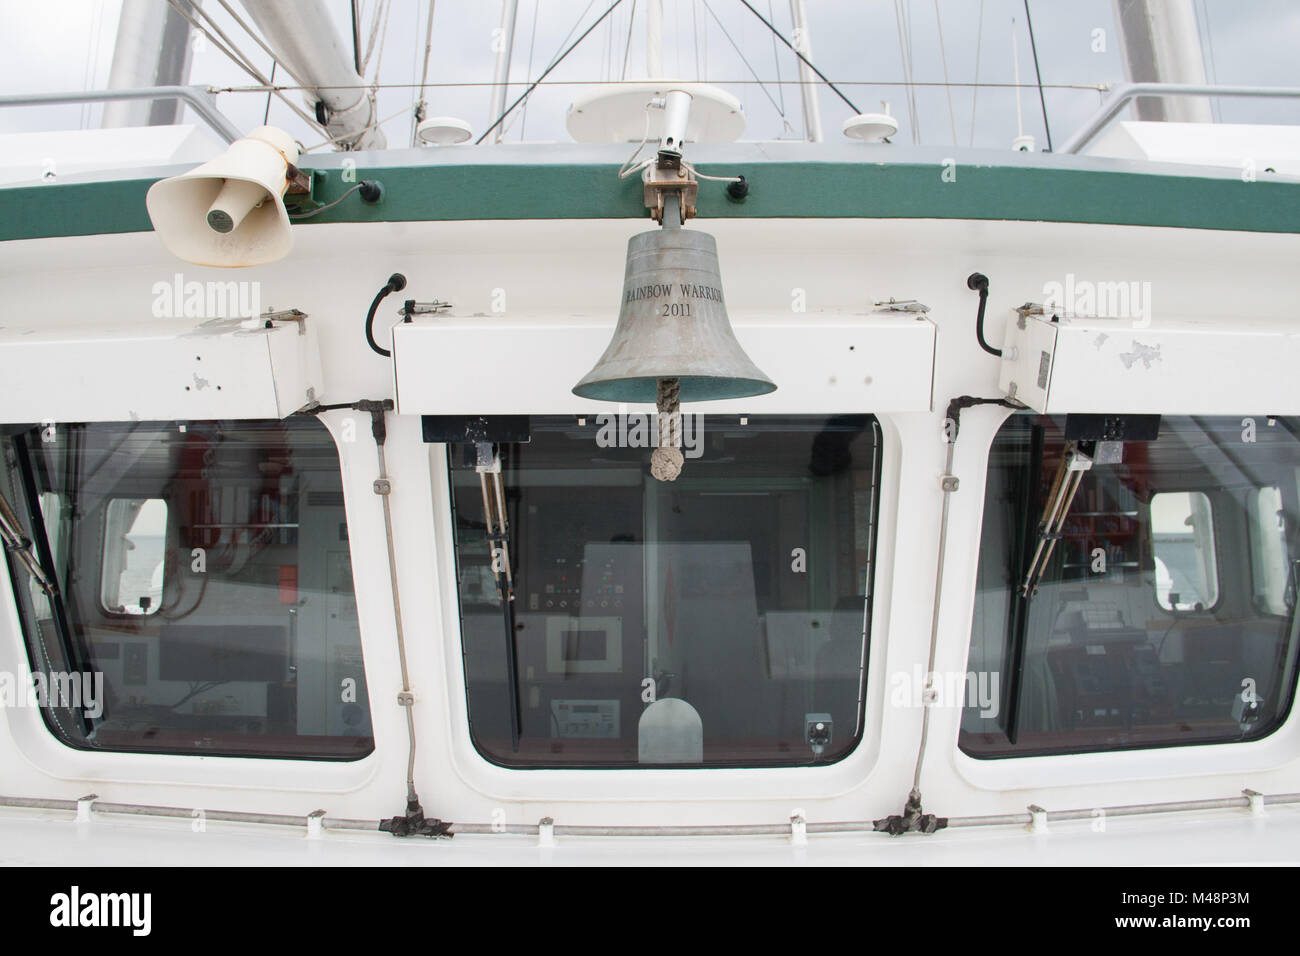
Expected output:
(821, 363)
(157, 371)
(1238, 366)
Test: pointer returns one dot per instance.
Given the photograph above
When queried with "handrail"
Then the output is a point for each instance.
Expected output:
(88, 806)
(199, 98)
(1128, 91)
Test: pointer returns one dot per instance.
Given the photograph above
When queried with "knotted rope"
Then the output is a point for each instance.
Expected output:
(666, 460)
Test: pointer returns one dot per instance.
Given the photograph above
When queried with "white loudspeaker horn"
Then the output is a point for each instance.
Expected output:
(229, 212)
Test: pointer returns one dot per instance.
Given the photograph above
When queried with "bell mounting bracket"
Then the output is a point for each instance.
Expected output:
(668, 173)
(657, 180)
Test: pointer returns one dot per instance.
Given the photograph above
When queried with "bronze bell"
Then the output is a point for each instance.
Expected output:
(673, 325)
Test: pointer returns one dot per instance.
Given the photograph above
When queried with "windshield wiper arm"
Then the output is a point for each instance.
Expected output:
(496, 519)
(32, 555)
(22, 547)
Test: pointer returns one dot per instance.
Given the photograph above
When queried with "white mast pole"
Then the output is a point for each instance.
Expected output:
(812, 111)
(152, 49)
(501, 75)
(1162, 45)
(305, 43)
(654, 39)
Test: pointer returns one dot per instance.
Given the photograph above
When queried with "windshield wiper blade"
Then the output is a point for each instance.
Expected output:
(22, 547)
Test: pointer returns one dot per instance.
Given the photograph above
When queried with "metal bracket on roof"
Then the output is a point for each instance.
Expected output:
(901, 305)
(285, 315)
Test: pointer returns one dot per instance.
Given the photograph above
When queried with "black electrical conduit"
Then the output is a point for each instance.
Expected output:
(978, 282)
(396, 283)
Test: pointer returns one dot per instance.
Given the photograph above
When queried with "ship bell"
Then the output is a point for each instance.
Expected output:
(673, 325)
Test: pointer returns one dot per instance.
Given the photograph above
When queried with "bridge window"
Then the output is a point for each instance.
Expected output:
(715, 620)
(1164, 614)
(204, 601)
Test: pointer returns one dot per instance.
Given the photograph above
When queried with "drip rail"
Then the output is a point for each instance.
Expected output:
(1034, 817)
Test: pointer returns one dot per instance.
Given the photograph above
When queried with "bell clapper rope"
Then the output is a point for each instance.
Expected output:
(666, 460)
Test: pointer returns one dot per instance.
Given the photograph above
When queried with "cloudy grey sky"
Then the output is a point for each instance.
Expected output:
(68, 44)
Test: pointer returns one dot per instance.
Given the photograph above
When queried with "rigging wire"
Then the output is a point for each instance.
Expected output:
(907, 84)
(419, 113)
(379, 53)
(375, 17)
(979, 45)
(943, 58)
(461, 84)
(1038, 74)
(532, 86)
(777, 33)
(586, 9)
(911, 67)
(266, 114)
(92, 60)
(244, 64)
(776, 61)
(754, 73)
(532, 43)
(240, 22)
(704, 48)
(607, 52)
(631, 18)
(1015, 64)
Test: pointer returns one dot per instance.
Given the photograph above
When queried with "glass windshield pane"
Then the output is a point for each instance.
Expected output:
(715, 620)
(1146, 628)
(208, 603)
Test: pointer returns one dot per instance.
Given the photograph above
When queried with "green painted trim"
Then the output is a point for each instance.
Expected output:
(804, 190)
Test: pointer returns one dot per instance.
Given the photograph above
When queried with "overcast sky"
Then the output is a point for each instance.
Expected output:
(68, 44)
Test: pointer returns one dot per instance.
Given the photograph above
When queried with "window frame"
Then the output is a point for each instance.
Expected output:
(103, 608)
(1214, 552)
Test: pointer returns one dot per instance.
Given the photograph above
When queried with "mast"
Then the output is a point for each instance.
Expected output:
(1162, 45)
(501, 75)
(654, 39)
(152, 49)
(305, 42)
(812, 112)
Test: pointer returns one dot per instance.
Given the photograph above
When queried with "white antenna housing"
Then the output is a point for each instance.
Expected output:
(443, 131)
